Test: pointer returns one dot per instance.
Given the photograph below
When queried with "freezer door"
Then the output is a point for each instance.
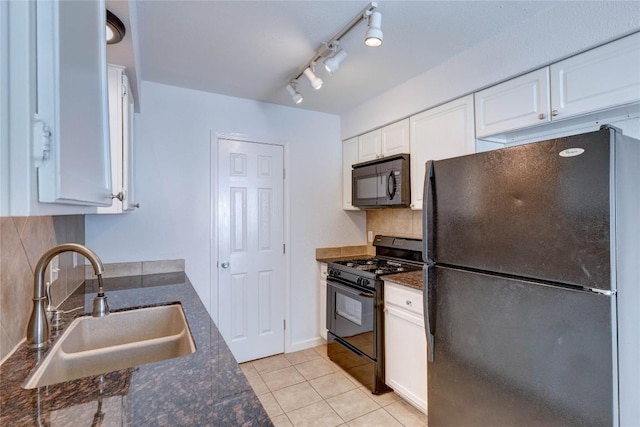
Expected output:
(538, 211)
(515, 353)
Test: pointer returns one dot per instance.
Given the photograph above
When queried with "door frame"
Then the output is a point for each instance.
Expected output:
(215, 137)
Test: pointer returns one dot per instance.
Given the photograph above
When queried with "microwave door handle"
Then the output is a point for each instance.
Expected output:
(391, 185)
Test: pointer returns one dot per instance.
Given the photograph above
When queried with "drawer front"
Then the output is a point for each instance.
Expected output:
(403, 297)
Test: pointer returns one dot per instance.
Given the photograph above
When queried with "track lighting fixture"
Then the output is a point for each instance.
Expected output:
(331, 64)
(330, 53)
(316, 82)
(115, 29)
(295, 95)
(374, 33)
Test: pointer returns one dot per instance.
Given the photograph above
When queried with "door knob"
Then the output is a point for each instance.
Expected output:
(225, 264)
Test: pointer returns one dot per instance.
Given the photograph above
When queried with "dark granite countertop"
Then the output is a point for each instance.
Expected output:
(206, 388)
(412, 279)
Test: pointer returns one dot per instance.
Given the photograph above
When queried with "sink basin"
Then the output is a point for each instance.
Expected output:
(92, 346)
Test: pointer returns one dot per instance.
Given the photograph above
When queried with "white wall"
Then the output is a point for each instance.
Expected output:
(561, 31)
(173, 149)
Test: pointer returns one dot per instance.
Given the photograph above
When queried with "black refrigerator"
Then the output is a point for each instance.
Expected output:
(532, 284)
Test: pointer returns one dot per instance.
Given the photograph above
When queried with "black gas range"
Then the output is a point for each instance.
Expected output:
(355, 298)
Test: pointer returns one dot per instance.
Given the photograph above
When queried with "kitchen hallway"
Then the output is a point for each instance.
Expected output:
(305, 388)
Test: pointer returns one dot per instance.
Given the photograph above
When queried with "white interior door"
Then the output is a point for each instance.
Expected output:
(251, 248)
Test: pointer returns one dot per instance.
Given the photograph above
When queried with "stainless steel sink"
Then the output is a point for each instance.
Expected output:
(120, 340)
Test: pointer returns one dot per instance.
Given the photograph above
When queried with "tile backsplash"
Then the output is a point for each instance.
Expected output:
(395, 222)
(22, 241)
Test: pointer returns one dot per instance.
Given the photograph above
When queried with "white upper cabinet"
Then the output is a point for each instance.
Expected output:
(349, 158)
(395, 138)
(121, 141)
(514, 104)
(71, 134)
(55, 123)
(369, 146)
(590, 88)
(439, 133)
(383, 142)
(601, 78)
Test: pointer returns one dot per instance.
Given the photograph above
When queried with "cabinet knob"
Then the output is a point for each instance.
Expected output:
(119, 196)
(409, 303)
(541, 116)
(137, 206)
(554, 113)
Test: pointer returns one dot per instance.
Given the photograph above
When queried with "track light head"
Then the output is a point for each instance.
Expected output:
(373, 38)
(316, 82)
(332, 64)
(295, 95)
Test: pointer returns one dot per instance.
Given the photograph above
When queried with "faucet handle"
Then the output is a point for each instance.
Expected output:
(50, 307)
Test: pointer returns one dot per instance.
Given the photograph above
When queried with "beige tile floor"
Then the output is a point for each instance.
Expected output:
(307, 389)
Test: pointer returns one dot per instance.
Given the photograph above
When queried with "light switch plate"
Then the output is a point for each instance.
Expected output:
(370, 236)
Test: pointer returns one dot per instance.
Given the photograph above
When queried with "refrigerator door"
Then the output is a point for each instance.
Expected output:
(537, 211)
(516, 353)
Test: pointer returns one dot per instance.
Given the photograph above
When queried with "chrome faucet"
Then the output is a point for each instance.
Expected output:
(38, 328)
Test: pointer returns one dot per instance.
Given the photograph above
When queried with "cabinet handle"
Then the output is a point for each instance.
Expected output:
(554, 113)
(409, 303)
(541, 116)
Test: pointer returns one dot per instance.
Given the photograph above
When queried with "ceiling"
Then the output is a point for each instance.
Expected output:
(252, 49)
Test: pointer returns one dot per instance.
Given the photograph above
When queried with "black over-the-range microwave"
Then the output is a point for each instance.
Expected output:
(382, 183)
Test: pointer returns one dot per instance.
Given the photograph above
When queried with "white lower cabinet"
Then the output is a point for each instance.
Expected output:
(323, 300)
(405, 344)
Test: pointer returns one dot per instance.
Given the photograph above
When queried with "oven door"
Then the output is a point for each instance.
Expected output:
(351, 316)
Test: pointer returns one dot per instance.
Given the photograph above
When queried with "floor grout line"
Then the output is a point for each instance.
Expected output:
(250, 369)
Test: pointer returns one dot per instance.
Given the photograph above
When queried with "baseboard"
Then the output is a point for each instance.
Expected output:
(304, 345)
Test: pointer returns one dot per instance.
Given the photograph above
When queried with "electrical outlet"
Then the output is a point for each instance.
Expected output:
(54, 268)
(370, 236)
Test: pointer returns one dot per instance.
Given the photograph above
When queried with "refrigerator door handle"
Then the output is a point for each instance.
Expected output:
(428, 210)
(427, 302)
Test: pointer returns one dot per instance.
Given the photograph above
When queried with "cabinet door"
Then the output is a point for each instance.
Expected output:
(71, 132)
(121, 140)
(369, 146)
(128, 166)
(442, 132)
(349, 158)
(517, 103)
(114, 80)
(395, 138)
(405, 352)
(599, 79)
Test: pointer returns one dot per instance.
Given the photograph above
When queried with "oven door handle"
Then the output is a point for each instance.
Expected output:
(353, 290)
